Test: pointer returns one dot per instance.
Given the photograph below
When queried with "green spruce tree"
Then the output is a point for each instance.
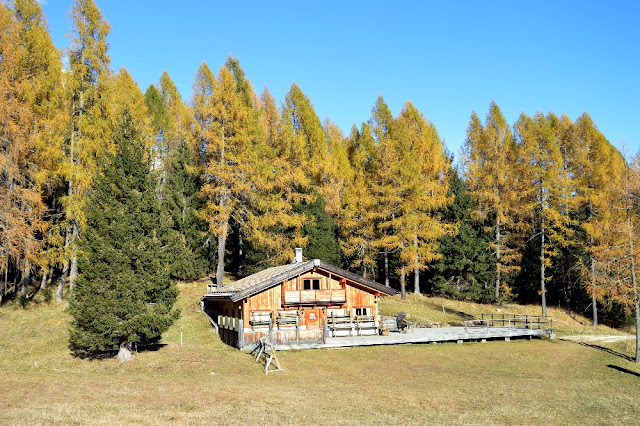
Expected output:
(466, 269)
(124, 295)
(321, 232)
(190, 251)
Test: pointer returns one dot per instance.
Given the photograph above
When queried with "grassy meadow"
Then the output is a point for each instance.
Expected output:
(205, 381)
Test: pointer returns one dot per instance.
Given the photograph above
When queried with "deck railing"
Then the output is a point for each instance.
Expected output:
(314, 296)
(533, 322)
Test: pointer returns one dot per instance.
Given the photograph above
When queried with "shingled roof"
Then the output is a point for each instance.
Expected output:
(253, 284)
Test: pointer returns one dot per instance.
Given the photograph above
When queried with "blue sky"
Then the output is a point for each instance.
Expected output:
(448, 57)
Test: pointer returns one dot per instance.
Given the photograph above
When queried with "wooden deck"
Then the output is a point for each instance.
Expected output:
(426, 335)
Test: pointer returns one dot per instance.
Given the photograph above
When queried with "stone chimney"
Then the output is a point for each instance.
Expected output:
(298, 258)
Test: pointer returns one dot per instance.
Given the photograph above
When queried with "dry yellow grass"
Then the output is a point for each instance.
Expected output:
(438, 309)
(205, 381)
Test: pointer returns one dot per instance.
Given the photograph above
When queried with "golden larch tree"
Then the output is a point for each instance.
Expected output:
(593, 161)
(545, 188)
(87, 83)
(423, 185)
(357, 221)
(488, 159)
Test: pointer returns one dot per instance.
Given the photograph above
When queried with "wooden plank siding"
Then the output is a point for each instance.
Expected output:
(335, 293)
(310, 306)
(284, 337)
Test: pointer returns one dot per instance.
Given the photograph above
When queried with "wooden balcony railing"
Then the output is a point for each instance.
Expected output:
(314, 297)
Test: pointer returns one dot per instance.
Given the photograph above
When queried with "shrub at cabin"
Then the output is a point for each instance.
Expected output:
(124, 294)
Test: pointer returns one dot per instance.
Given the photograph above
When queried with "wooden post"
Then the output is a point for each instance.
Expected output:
(223, 327)
(240, 333)
(324, 329)
(297, 328)
(235, 337)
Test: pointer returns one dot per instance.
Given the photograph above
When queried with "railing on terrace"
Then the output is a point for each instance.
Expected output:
(314, 296)
(533, 322)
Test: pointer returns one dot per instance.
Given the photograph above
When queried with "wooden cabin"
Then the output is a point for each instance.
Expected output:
(303, 302)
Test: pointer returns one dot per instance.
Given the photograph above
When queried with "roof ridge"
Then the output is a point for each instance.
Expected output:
(273, 275)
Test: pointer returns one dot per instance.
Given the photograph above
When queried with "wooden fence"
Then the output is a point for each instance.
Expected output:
(532, 322)
(233, 333)
(231, 330)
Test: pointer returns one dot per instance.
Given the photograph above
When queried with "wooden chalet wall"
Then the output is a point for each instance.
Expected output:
(274, 298)
(310, 308)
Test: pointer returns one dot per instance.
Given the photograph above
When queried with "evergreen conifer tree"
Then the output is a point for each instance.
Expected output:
(321, 232)
(189, 249)
(124, 294)
(466, 269)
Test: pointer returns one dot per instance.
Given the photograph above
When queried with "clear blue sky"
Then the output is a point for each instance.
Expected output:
(448, 57)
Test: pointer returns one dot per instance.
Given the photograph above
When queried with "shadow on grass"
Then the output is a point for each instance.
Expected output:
(610, 351)
(463, 315)
(623, 370)
(101, 355)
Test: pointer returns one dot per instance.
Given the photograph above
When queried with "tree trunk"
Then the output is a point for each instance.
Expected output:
(63, 279)
(498, 265)
(6, 279)
(416, 269)
(634, 281)
(71, 239)
(386, 267)
(15, 281)
(635, 294)
(43, 282)
(74, 258)
(543, 290)
(222, 242)
(222, 238)
(594, 300)
(65, 269)
(403, 291)
(26, 280)
(240, 253)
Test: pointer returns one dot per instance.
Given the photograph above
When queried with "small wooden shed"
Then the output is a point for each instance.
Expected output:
(303, 302)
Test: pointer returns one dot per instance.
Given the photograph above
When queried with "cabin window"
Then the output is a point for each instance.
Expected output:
(363, 311)
(312, 284)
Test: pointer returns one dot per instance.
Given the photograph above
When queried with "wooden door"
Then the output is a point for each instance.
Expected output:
(312, 318)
